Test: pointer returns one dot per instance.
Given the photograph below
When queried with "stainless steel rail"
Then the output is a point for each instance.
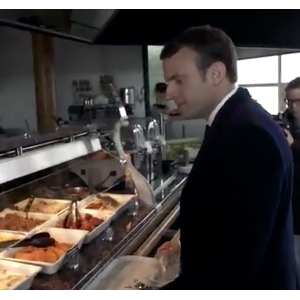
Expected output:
(41, 159)
(157, 234)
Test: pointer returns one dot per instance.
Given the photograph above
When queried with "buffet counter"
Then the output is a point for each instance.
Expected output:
(55, 186)
(129, 232)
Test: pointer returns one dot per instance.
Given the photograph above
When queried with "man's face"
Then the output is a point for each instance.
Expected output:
(192, 92)
(293, 101)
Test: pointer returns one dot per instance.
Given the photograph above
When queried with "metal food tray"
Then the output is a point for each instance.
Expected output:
(70, 236)
(121, 273)
(92, 234)
(22, 204)
(29, 271)
(44, 217)
(123, 199)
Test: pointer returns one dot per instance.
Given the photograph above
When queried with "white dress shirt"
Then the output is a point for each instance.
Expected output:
(219, 106)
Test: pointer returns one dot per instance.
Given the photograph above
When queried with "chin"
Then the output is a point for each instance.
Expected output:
(182, 116)
(192, 115)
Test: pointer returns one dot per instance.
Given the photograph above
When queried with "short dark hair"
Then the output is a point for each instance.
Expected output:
(294, 84)
(211, 45)
(160, 87)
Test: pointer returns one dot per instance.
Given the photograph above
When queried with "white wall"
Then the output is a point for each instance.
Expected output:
(17, 95)
(72, 61)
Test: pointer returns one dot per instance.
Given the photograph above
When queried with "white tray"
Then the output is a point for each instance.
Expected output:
(92, 234)
(70, 236)
(122, 272)
(22, 204)
(123, 199)
(29, 271)
(10, 235)
(38, 216)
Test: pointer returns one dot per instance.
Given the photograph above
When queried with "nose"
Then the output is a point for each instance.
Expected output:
(171, 91)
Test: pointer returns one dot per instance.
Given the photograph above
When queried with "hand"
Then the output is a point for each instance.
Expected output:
(289, 137)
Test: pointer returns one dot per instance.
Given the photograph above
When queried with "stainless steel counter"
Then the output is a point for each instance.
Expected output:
(166, 212)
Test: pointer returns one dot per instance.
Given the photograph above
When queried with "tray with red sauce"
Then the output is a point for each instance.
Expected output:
(89, 220)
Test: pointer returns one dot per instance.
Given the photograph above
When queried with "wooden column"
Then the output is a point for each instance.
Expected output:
(43, 59)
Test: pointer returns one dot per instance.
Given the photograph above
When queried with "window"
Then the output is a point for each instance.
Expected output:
(267, 97)
(262, 70)
(290, 67)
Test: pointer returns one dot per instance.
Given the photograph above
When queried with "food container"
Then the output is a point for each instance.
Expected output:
(10, 235)
(105, 214)
(39, 201)
(69, 236)
(29, 271)
(43, 217)
(122, 272)
(92, 234)
(123, 199)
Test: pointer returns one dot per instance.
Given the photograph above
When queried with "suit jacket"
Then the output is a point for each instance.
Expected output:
(235, 209)
(291, 122)
(296, 188)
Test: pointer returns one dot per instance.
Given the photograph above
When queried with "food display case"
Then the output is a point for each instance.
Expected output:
(68, 209)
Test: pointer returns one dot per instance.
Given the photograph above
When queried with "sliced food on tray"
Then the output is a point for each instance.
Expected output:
(16, 276)
(19, 221)
(10, 279)
(44, 206)
(104, 202)
(48, 254)
(51, 257)
(86, 222)
(8, 236)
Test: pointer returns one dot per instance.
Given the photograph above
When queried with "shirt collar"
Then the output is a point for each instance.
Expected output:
(220, 105)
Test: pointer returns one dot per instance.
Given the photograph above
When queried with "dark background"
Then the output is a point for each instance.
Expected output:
(247, 28)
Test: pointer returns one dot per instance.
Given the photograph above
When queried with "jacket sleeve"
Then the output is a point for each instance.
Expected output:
(247, 197)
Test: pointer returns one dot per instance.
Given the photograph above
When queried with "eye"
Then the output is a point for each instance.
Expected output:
(178, 81)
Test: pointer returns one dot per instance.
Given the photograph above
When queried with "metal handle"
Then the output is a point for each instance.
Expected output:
(28, 205)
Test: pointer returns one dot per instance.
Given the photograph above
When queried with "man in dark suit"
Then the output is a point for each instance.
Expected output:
(235, 217)
(291, 118)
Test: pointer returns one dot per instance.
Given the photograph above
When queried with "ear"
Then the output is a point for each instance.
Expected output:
(216, 73)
